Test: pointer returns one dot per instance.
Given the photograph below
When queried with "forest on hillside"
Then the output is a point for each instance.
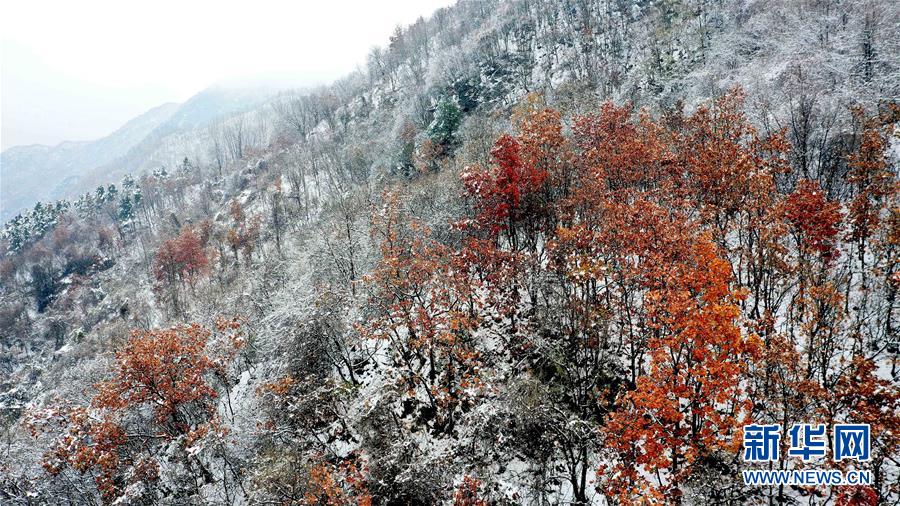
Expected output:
(537, 252)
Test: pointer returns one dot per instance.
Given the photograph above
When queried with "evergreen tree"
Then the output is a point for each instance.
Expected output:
(447, 118)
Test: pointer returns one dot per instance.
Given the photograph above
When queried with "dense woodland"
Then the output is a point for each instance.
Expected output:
(536, 253)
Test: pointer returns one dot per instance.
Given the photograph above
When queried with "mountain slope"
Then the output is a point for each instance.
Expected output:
(405, 344)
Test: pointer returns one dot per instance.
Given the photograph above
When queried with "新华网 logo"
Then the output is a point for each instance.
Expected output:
(808, 442)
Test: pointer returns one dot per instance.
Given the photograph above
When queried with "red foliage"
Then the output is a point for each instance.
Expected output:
(498, 190)
(88, 443)
(688, 403)
(815, 220)
(665, 247)
(515, 192)
(617, 153)
(424, 306)
(856, 496)
(165, 370)
(860, 396)
(181, 259)
(468, 494)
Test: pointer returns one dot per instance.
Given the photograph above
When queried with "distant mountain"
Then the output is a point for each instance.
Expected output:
(177, 137)
(29, 174)
(215, 102)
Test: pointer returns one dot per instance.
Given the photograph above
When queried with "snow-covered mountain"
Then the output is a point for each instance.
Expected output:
(536, 252)
(182, 135)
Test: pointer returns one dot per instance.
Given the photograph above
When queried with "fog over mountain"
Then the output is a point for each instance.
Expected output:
(64, 82)
(37, 172)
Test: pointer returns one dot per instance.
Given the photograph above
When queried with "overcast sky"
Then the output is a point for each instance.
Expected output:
(77, 70)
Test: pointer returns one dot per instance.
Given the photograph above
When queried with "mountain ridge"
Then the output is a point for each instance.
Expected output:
(71, 167)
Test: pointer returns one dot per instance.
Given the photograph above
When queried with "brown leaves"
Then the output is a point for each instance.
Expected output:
(166, 370)
(468, 493)
(863, 397)
(815, 220)
(89, 441)
(875, 184)
(181, 259)
(424, 306)
(163, 368)
(340, 484)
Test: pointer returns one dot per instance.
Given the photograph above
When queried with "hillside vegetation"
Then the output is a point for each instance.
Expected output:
(537, 252)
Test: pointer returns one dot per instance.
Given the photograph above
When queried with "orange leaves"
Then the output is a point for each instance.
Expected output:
(281, 386)
(88, 442)
(641, 250)
(644, 249)
(181, 259)
(423, 305)
(683, 407)
(236, 211)
(721, 153)
(815, 220)
(863, 397)
(617, 153)
(162, 368)
(856, 496)
(340, 484)
(545, 152)
(637, 242)
(245, 234)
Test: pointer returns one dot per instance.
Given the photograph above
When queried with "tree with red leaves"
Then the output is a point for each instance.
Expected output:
(514, 195)
(337, 484)
(815, 222)
(178, 261)
(861, 396)
(423, 305)
(874, 185)
(468, 493)
(167, 372)
(688, 405)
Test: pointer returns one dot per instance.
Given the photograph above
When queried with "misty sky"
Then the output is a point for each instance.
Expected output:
(79, 70)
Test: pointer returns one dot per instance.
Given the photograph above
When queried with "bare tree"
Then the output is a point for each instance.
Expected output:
(234, 136)
(217, 146)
